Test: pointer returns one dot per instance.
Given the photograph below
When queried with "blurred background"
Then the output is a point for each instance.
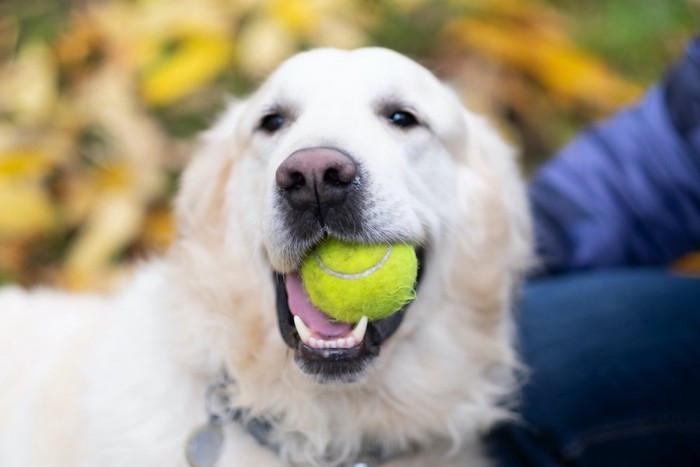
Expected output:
(101, 101)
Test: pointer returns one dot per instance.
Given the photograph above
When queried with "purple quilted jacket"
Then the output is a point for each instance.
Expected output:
(627, 191)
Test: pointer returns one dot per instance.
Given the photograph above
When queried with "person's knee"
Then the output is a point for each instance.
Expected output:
(604, 350)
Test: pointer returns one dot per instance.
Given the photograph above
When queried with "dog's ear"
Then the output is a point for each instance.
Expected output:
(200, 201)
(494, 221)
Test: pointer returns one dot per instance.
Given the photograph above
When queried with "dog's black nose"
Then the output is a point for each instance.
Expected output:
(316, 178)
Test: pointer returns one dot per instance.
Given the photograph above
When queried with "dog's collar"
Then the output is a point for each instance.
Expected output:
(205, 444)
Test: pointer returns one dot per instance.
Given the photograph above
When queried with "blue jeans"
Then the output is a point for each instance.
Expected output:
(614, 373)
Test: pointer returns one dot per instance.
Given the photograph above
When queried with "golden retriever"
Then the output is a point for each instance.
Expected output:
(198, 359)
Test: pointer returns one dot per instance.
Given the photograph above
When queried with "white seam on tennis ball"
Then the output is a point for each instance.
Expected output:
(357, 275)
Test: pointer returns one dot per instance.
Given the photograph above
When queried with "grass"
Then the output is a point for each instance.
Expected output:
(639, 38)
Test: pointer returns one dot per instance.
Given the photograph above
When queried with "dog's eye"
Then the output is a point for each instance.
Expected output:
(403, 119)
(272, 122)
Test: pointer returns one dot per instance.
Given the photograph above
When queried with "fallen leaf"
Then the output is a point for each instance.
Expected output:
(197, 58)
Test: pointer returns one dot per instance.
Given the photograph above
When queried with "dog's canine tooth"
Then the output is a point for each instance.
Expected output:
(359, 331)
(303, 330)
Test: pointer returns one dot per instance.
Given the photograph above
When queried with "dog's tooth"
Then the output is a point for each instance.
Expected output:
(355, 337)
(303, 330)
(359, 331)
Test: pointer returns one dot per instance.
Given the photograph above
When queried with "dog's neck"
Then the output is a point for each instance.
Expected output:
(205, 443)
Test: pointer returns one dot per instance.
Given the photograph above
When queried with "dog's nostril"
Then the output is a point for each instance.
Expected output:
(332, 177)
(290, 178)
(296, 181)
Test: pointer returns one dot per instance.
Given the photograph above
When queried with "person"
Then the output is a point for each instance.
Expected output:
(608, 332)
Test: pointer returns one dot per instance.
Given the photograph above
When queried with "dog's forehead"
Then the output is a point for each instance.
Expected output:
(360, 71)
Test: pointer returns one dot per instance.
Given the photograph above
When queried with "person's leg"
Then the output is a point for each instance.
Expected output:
(614, 372)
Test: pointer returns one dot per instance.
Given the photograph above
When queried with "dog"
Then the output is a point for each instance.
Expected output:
(198, 360)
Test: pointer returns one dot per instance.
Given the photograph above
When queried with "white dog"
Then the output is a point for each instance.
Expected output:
(198, 358)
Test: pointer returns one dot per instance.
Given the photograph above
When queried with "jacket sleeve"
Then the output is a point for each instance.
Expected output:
(627, 191)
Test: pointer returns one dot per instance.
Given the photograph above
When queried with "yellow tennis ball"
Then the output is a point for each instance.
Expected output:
(349, 280)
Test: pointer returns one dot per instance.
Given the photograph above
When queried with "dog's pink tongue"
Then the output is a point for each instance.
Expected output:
(315, 319)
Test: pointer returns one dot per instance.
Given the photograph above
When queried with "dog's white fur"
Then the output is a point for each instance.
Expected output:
(119, 380)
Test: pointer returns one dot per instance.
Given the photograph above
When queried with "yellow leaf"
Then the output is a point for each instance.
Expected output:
(26, 205)
(26, 209)
(519, 10)
(24, 164)
(196, 59)
(545, 54)
(299, 16)
(330, 23)
(159, 231)
(115, 176)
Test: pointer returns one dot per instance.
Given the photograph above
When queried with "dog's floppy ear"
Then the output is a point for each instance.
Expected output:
(494, 222)
(200, 201)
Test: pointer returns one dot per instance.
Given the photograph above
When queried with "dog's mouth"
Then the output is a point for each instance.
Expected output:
(323, 347)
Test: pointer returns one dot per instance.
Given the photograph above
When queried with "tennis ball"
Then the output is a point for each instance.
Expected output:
(349, 280)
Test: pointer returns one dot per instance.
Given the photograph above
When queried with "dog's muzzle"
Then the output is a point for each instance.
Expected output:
(321, 192)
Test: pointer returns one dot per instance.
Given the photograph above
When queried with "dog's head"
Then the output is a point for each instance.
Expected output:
(365, 146)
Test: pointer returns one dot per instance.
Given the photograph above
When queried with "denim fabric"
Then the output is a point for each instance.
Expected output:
(614, 372)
